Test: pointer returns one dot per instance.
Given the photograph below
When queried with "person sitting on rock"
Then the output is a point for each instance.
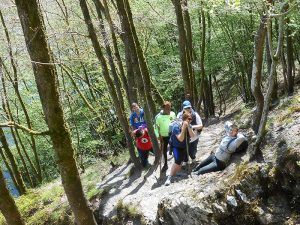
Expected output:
(232, 142)
(178, 140)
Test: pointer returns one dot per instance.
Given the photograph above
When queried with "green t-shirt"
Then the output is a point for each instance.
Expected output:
(162, 123)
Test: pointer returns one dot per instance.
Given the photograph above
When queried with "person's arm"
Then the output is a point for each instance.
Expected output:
(180, 137)
(198, 125)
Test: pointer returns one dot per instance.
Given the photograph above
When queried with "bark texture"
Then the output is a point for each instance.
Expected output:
(47, 83)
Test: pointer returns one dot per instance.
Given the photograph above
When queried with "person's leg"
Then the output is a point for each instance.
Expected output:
(178, 157)
(165, 150)
(205, 162)
(193, 149)
(211, 167)
(143, 157)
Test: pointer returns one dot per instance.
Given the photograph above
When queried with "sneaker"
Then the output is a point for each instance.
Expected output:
(184, 164)
(164, 168)
(194, 161)
(169, 180)
(195, 173)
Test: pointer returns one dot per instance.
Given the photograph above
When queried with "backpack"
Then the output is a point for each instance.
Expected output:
(173, 123)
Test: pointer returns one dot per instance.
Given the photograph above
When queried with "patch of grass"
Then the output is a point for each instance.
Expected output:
(127, 211)
(48, 203)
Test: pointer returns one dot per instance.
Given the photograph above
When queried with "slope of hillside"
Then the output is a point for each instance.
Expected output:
(245, 192)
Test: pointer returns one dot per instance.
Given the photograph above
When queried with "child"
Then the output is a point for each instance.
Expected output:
(143, 144)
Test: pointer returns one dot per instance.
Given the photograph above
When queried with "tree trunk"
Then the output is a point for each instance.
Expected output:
(182, 40)
(113, 68)
(47, 84)
(257, 73)
(140, 67)
(16, 88)
(130, 91)
(290, 60)
(109, 81)
(17, 174)
(143, 66)
(9, 168)
(275, 58)
(7, 204)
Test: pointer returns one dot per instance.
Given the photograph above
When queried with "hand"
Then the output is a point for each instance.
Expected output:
(185, 124)
(132, 134)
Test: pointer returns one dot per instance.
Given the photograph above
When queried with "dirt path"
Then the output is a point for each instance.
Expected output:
(145, 194)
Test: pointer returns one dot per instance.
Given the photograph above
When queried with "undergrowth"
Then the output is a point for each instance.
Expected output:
(48, 204)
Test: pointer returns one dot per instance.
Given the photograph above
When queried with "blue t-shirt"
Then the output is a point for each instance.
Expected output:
(176, 130)
(136, 120)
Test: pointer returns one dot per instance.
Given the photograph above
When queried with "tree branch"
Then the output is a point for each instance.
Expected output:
(27, 130)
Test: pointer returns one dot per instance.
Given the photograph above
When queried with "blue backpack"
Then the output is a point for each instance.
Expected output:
(172, 124)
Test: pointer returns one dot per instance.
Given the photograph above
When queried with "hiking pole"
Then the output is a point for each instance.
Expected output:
(187, 151)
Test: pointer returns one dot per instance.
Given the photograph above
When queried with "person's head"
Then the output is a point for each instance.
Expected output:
(186, 116)
(187, 106)
(166, 107)
(233, 130)
(139, 132)
(135, 107)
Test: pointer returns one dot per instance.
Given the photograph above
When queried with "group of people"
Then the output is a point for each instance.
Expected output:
(180, 136)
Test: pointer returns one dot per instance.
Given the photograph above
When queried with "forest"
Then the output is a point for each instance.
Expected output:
(70, 71)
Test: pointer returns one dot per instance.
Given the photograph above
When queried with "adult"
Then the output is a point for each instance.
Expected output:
(136, 117)
(179, 142)
(232, 142)
(143, 144)
(197, 127)
(162, 122)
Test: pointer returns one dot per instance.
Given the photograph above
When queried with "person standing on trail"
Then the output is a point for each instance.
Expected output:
(143, 144)
(232, 142)
(197, 127)
(162, 122)
(136, 117)
(178, 140)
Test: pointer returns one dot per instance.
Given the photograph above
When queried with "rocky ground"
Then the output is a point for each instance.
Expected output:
(264, 192)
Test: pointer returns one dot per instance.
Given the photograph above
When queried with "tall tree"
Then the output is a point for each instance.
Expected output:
(16, 171)
(111, 87)
(15, 83)
(7, 204)
(257, 72)
(133, 47)
(47, 83)
(184, 52)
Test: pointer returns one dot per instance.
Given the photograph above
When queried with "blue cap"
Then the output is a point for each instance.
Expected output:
(186, 104)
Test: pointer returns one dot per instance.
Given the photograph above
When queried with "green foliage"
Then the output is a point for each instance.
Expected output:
(48, 204)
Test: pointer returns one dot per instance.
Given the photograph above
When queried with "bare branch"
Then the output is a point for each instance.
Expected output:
(27, 130)
(283, 13)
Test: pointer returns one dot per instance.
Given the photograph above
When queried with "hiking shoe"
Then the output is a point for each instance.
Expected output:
(169, 180)
(164, 168)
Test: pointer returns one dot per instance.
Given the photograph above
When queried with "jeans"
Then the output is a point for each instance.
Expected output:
(210, 164)
(143, 157)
